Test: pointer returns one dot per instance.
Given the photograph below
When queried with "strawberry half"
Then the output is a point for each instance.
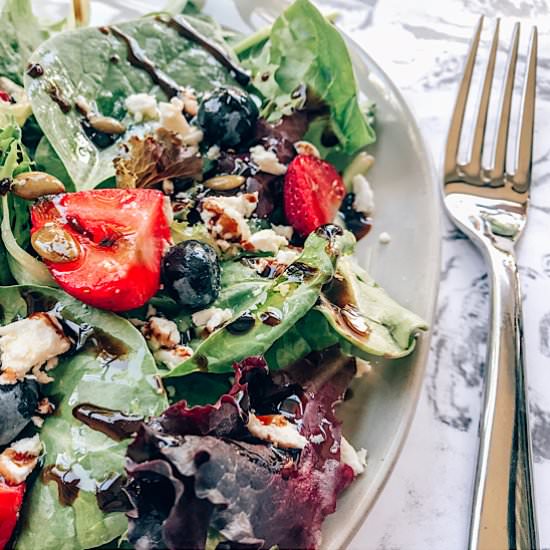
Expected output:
(313, 192)
(121, 235)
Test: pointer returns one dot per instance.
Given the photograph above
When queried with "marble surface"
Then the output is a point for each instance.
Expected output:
(426, 503)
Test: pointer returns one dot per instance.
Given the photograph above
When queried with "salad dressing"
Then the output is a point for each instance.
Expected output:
(137, 58)
(188, 32)
(67, 483)
(114, 424)
(110, 496)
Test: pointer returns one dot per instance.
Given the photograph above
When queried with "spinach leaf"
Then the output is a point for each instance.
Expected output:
(287, 298)
(126, 383)
(355, 313)
(305, 50)
(94, 65)
(20, 35)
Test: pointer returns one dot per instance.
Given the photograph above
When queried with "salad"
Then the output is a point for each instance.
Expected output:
(180, 307)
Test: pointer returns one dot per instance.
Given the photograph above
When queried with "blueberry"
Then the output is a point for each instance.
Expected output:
(17, 404)
(228, 117)
(191, 273)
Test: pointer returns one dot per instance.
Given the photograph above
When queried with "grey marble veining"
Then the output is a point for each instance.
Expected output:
(426, 504)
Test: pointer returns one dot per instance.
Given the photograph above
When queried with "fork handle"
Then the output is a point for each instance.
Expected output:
(503, 512)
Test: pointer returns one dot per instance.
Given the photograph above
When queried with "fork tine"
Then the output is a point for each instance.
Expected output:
(473, 167)
(524, 152)
(496, 173)
(455, 129)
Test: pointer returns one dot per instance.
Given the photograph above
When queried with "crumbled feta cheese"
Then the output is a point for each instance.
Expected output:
(306, 148)
(20, 353)
(213, 153)
(168, 188)
(267, 240)
(266, 160)
(172, 119)
(142, 107)
(356, 460)
(384, 238)
(225, 216)
(277, 430)
(362, 367)
(286, 256)
(191, 105)
(38, 421)
(285, 231)
(283, 289)
(171, 358)
(19, 460)
(211, 318)
(364, 196)
(161, 333)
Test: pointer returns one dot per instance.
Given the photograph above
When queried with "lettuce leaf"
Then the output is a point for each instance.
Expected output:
(306, 52)
(354, 313)
(14, 230)
(199, 468)
(125, 382)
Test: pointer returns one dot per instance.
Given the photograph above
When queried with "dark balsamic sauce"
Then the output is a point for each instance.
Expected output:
(114, 424)
(5, 186)
(110, 496)
(35, 70)
(137, 58)
(57, 96)
(298, 272)
(242, 325)
(272, 317)
(187, 31)
(357, 222)
(67, 483)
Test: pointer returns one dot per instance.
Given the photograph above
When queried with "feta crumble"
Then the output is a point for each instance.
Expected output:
(172, 119)
(225, 216)
(211, 318)
(364, 196)
(384, 238)
(20, 459)
(161, 333)
(142, 107)
(267, 161)
(285, 231)
(277, 430)
(213, 153)
(267, 240)
(20, 354)
(356, 460)
(173, 357)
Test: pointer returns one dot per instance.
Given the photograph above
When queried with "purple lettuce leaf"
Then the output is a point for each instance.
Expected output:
(195, 469)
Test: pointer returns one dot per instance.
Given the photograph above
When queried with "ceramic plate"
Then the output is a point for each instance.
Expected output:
(407, 207)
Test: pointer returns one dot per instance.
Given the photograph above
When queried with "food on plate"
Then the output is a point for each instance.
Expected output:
(181, 311)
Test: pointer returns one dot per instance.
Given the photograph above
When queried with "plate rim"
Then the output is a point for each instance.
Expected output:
(422, 350)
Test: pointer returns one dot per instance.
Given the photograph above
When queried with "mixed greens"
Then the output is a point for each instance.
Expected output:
(180, 307)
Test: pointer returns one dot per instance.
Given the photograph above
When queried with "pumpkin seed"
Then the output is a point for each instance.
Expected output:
(55, 244)
(224, 183)
(106, 124)
(32, 185)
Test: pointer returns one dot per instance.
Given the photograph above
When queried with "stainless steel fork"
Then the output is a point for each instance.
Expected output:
(490, 205)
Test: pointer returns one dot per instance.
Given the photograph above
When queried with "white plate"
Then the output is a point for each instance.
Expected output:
(408, 208)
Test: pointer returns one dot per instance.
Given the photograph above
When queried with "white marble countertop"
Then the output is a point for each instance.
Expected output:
(426, 503)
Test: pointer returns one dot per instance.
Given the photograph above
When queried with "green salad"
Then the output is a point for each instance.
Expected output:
(180, 306)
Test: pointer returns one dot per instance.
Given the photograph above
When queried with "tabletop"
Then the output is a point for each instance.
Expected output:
(426, 503)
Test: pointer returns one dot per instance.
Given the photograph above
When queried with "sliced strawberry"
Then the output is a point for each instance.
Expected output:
(313, 193)
(11, 499)
(122, 235)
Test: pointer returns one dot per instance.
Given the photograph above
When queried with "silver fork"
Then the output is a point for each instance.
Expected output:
(489, 204)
